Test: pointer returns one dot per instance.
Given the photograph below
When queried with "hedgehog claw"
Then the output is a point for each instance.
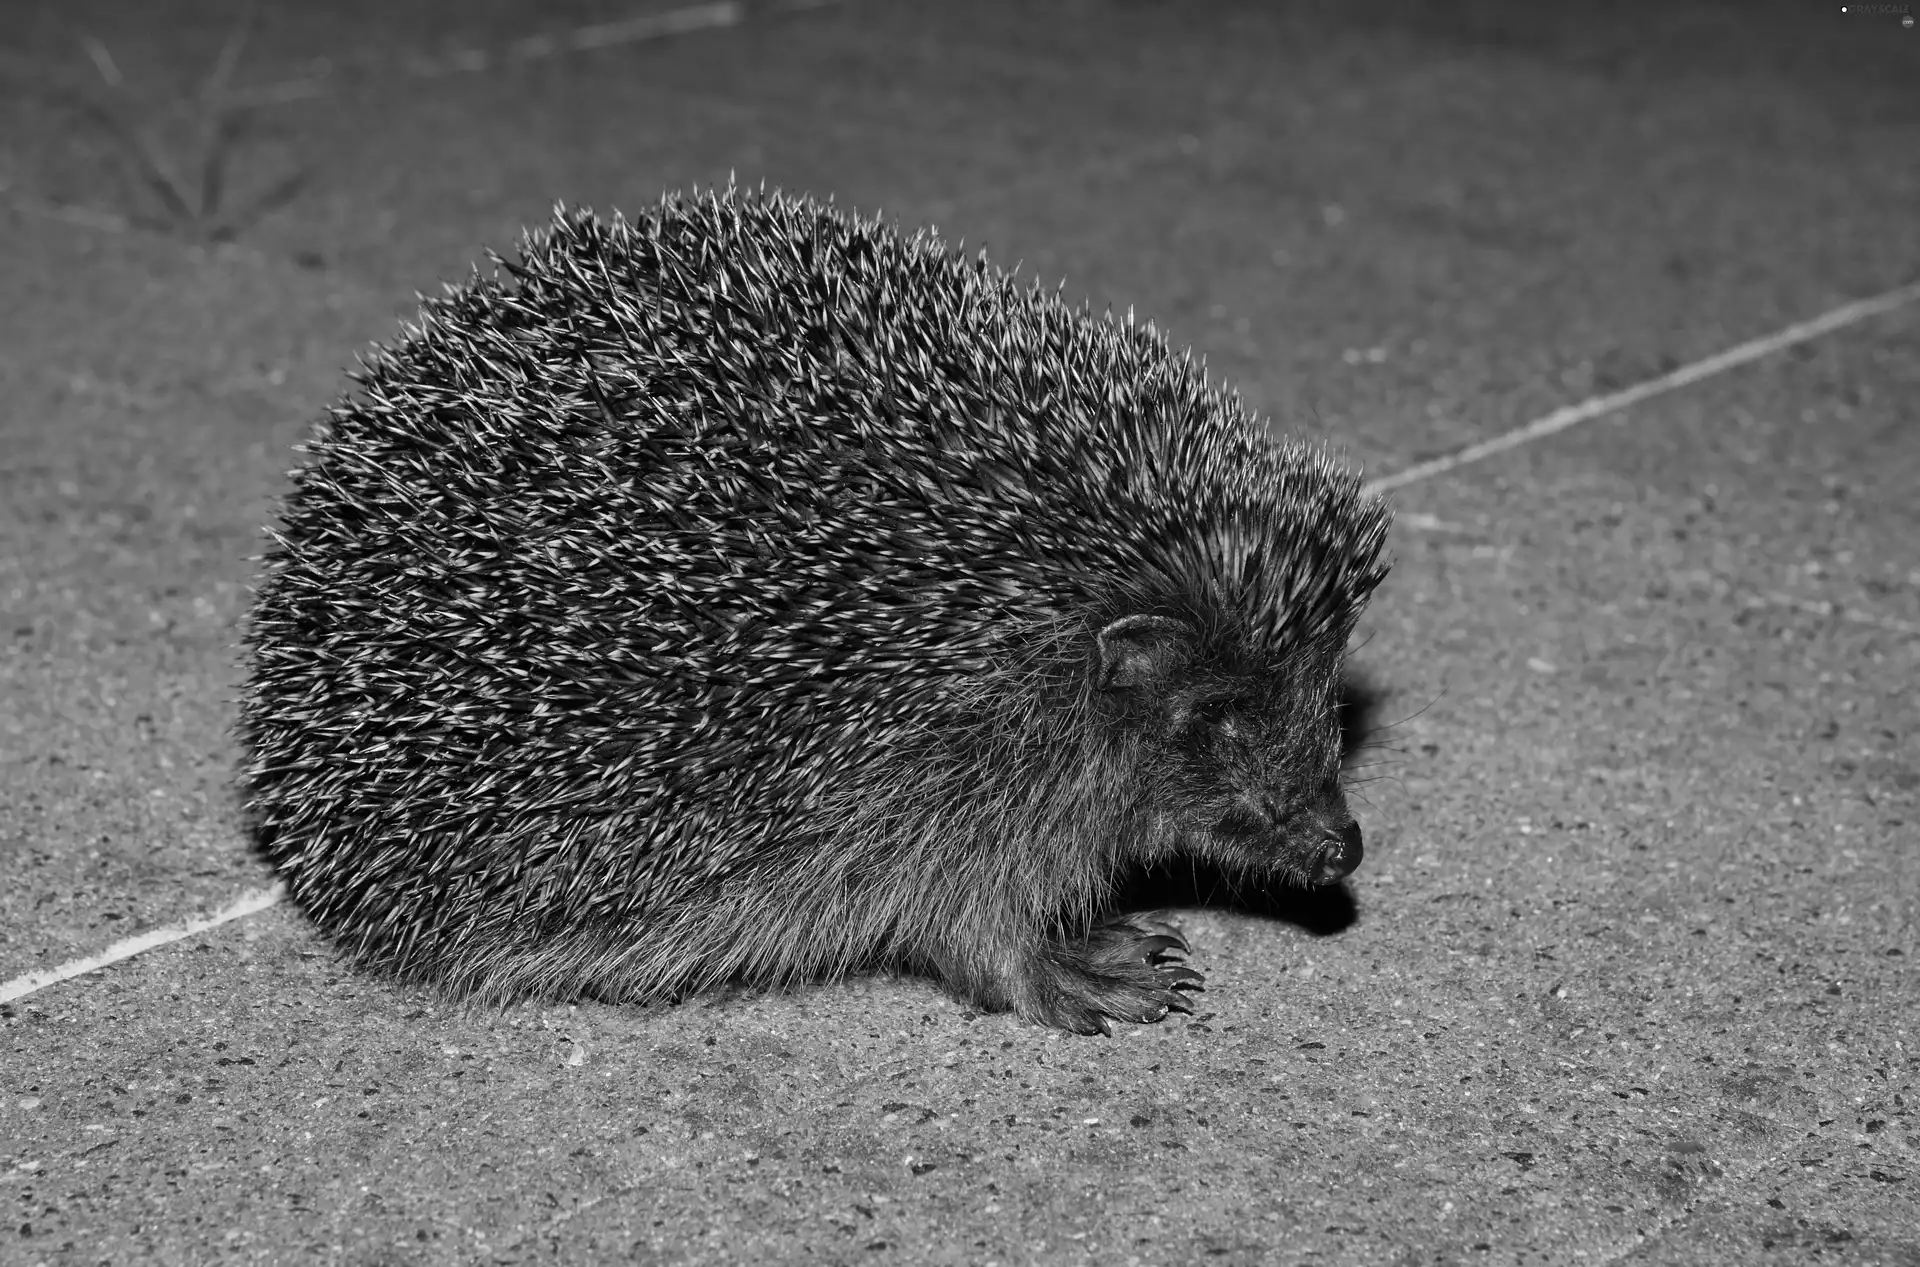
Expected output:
(1155, 946)
(1164, 1001)
(1168, 932)
(1120, 971)
(1169, 1002)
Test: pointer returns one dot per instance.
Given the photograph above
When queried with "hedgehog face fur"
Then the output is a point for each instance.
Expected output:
(748, 592)
(1246, 776)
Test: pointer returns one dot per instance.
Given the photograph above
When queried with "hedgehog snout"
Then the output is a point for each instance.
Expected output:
(1338, 856)
(1314, 845)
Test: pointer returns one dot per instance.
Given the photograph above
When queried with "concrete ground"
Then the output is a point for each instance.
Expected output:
(1628, 974)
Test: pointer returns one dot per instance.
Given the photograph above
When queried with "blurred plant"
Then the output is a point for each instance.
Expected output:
(191, 189)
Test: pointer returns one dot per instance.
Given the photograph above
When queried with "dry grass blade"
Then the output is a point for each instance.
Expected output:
(135, 138)
(103, 61)
(221, 124)
(192, 194)
(219, 80)
(275, 196)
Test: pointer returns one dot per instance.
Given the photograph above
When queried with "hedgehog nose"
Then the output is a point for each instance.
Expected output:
(1340, 856)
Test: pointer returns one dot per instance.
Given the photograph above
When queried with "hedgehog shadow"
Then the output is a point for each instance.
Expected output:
(1193, 882)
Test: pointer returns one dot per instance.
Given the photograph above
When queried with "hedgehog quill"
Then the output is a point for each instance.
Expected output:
(749, 592)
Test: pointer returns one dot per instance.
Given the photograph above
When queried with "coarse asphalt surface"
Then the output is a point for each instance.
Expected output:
(1628, 973)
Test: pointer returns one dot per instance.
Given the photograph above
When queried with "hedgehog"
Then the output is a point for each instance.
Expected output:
(748, 592)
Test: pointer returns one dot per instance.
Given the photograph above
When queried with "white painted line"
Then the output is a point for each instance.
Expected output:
(635, 29)
(1596, 406)
(632, 30)
(246, 904)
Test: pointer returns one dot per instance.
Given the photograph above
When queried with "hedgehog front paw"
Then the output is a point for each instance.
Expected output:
(1122, 970)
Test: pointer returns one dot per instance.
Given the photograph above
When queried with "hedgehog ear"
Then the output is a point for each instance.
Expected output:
(1138, 651)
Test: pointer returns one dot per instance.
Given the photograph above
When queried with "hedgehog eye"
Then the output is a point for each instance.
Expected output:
(1211, 713)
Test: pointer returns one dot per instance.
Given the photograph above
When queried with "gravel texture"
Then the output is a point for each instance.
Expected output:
(1628, 974)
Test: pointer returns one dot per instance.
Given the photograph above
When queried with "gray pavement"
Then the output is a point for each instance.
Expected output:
(1628, 975)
